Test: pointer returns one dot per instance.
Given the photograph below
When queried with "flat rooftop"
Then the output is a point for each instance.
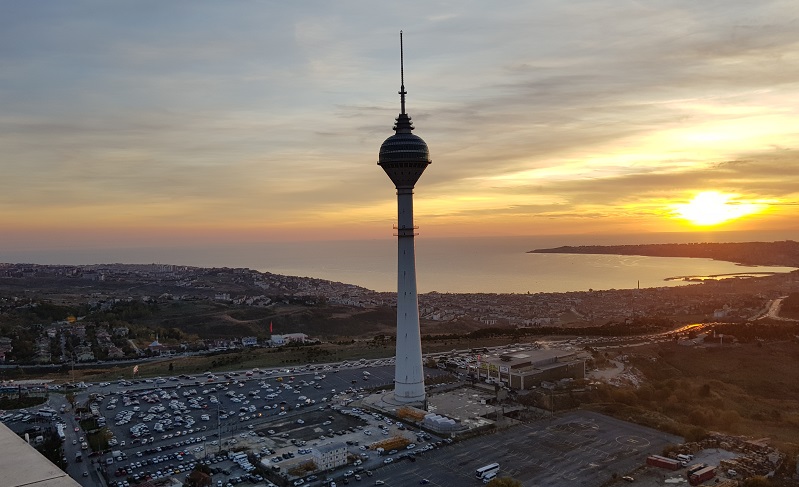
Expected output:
(464, 404)
(534, 358)
(21, 465)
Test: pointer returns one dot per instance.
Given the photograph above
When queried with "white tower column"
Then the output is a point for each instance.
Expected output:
(409, 372)
(404, 157)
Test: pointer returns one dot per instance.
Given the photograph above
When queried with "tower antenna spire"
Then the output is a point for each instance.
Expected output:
(402, 91)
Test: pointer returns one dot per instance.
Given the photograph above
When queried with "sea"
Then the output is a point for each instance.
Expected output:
(445, 265)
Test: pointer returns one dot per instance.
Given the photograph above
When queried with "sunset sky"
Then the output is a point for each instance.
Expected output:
(182, 122)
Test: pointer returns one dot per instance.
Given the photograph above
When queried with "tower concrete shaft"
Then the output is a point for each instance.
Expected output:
(404, 157)
(409, 372)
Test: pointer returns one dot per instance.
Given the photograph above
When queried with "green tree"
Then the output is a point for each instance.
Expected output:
(52, 448)
(504, 482)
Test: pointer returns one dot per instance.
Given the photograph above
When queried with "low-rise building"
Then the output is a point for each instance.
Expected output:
(330, 455)
(523, 370)
(278, 340)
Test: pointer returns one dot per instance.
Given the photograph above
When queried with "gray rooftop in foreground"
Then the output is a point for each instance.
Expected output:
(21, 464)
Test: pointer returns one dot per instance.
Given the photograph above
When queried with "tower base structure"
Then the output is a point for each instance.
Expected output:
(387, 401)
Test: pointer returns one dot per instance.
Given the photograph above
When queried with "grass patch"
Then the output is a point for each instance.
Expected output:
(98, 441)
(17, 402)
(89, 424)
(303, 469)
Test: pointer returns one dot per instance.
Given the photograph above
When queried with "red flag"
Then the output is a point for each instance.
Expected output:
(270, 327)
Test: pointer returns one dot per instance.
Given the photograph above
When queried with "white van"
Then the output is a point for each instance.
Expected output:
(488, 478)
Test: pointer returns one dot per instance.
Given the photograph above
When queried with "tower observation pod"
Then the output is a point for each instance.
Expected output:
(404, 156)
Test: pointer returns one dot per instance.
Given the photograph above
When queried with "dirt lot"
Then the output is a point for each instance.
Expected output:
(750, 389)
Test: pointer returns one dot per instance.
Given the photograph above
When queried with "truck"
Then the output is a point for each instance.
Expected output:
(700, 476)
(662, 462)
(695, 468)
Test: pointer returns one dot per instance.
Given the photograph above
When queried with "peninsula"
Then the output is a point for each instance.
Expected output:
(783, 253)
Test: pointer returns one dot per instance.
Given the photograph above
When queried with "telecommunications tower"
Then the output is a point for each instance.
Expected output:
(404, 156)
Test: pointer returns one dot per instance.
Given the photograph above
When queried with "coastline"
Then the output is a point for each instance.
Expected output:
(719, 277)
(781, 253)
(470, 265)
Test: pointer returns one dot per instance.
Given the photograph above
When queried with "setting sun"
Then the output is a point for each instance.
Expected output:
(712, 208)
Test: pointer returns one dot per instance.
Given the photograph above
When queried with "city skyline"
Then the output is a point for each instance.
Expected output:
(140, 123)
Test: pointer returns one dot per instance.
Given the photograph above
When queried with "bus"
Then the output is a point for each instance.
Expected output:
(46, 413)
(489, 470)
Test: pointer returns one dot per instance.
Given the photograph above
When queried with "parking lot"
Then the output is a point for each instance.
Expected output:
(576, 448)
(165, 426)
(186, 419)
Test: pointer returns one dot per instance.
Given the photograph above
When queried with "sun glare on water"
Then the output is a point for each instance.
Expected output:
(712, 208)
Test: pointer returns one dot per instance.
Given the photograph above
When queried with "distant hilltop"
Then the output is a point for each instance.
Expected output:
(784, 253)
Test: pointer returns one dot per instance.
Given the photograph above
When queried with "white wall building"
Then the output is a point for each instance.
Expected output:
(278, 340)
(330, 455)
